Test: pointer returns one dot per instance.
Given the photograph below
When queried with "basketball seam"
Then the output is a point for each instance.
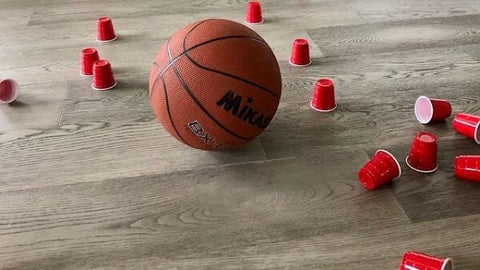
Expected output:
(233, 76)
(160, 76)
(200, 45)
(187, 89)
(221, 72)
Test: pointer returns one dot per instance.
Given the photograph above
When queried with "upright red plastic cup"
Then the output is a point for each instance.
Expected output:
(88, 57)
(467, 167)
(254, 13)
(381, 169)
(431, 110)
(300, 53)
(467, 124)
(103, 76)
(8, 90)
(323, 99)
(423, 153)
(418, 261)
(105, 32)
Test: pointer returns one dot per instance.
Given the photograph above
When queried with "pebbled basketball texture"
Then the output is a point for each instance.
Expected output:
(215, 85)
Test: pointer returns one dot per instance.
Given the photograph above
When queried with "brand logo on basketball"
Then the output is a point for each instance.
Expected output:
(242, 109)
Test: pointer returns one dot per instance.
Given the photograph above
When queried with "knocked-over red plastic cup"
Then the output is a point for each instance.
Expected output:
(381, 169)
(418, 261)
(105, 32)
(254, 13)
(323, 99)
(8, 90)
(88, 57)
(103, 76)
(467, 124)
(431, 110)
(467, 167)
(423, 153)
(300, 53)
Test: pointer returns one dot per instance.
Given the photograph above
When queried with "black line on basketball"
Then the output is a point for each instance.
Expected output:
(233, 77)
(168, 106)
(169, 113)
(222, 72)
(189, 92)
(207, 20)
(199, 45)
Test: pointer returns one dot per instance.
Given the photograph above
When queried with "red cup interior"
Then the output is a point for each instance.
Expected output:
(8, 90)
(3, 89)
(423, 110)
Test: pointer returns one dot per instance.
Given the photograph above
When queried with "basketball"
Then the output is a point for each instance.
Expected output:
(215, 85)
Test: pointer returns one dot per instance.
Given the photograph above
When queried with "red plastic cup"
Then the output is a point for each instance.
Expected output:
(430, 110)
(467, 167)
(323, 99)
(105, 32)
(103, 76)
(381, 169)
(8, 91)
(254, 13)
(467, 124)
(423, 153)
(418, 261)
(300, 53)
(88, 57)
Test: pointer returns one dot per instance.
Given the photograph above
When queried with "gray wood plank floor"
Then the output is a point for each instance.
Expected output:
(90, 180)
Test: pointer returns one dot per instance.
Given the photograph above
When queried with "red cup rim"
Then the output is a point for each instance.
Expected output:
(108, 40)
(85, 75)
(260, 22)
(418, 170)
(396, 161)
(301, 65)
(103, 89)
(418, 106)
(477, 135)
(319, 110)
(446, 263)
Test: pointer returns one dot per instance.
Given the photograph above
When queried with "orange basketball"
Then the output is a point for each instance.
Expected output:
(215, 85)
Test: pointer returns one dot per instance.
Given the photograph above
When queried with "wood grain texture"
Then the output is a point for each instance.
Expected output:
(90, 180)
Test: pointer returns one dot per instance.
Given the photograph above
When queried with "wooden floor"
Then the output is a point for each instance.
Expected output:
(90, 180)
